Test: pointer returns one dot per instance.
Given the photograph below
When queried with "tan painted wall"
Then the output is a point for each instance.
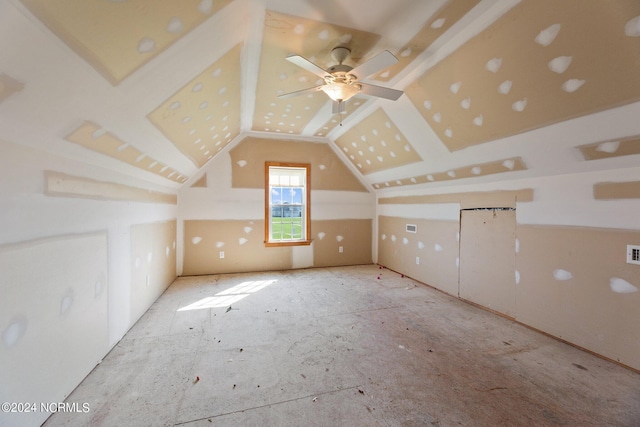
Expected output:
(353, 235)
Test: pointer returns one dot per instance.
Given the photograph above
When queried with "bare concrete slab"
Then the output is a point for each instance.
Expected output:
(338, 346)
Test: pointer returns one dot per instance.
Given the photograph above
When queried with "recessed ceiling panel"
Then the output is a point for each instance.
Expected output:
(543, 62)
(204, 116)
(377, 144)
(314, 40)
(116, 37)
(499, 166)
(434, 28)
(96, 138)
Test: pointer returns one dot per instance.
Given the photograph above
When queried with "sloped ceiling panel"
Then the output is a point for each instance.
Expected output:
(350, 107)
(96, 138)
(204, 116)
(117, 37)
(499, 166)
(545, 61)
(448, 15)
(377, 144)
(314, 40)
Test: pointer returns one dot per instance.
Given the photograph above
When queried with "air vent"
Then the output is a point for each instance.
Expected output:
(412, 228)
(633, 254)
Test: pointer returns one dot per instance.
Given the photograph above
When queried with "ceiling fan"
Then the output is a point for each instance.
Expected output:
(341, 81)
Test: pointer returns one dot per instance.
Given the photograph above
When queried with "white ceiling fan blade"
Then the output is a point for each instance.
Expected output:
(381, 92)
(307, 65)
(301, 92)
(379, 62)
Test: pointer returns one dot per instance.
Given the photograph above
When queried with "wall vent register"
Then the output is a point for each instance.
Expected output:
(412, 228)
(633, 254)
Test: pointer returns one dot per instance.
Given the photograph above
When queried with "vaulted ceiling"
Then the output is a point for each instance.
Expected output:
(494, 89)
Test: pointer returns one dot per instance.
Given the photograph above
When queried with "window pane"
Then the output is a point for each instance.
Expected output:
(296, 196)
(276, 196)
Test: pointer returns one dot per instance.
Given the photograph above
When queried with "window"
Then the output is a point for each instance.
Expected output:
(286, 201)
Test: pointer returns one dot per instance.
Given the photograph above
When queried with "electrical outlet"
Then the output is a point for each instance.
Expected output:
(221, 254)
(417, 260)
(340, 249)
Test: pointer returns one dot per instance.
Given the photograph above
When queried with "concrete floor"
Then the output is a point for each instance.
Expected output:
(338, 347)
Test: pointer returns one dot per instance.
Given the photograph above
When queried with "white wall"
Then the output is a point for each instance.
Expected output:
(66, 271)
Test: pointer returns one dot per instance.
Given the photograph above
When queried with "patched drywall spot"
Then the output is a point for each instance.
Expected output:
(438, 248)
(196, 240)
(517, 277)
(405, 241)
(219, 244)
(560, 64)
(383, 236)
(66, 301)
(632, 28)
(494, 65)
(608, 147)
(146, 45)
(420, 245)
(517, 245)
(242, 241)
(99, 285)
(321, 235)
(572, 85)
(15, 330)
(393, 238)
(339, 238)
(548, 35)
(621, 286)
(560, 274)
(247, 229)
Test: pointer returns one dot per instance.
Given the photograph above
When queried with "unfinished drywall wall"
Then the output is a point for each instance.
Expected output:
(228, 246)
(67, 245)
(429, 255)
(53, 318)
(571, 278)
(224, 212)
(341, 242)
(153, 269)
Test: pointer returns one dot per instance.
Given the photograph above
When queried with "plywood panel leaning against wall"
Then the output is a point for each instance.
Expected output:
(574, 283)
(429, 255)
(341, 242)
(53, 304)
(153, 263)
(230, 246)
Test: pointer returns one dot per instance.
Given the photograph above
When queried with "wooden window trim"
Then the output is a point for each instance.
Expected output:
(267, 211)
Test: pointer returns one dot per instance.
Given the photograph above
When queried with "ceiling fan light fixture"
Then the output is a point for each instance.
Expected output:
(338, 91)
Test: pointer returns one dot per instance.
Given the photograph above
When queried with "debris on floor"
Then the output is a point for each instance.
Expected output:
(315, 399)
(228, 309)
(196, 380)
